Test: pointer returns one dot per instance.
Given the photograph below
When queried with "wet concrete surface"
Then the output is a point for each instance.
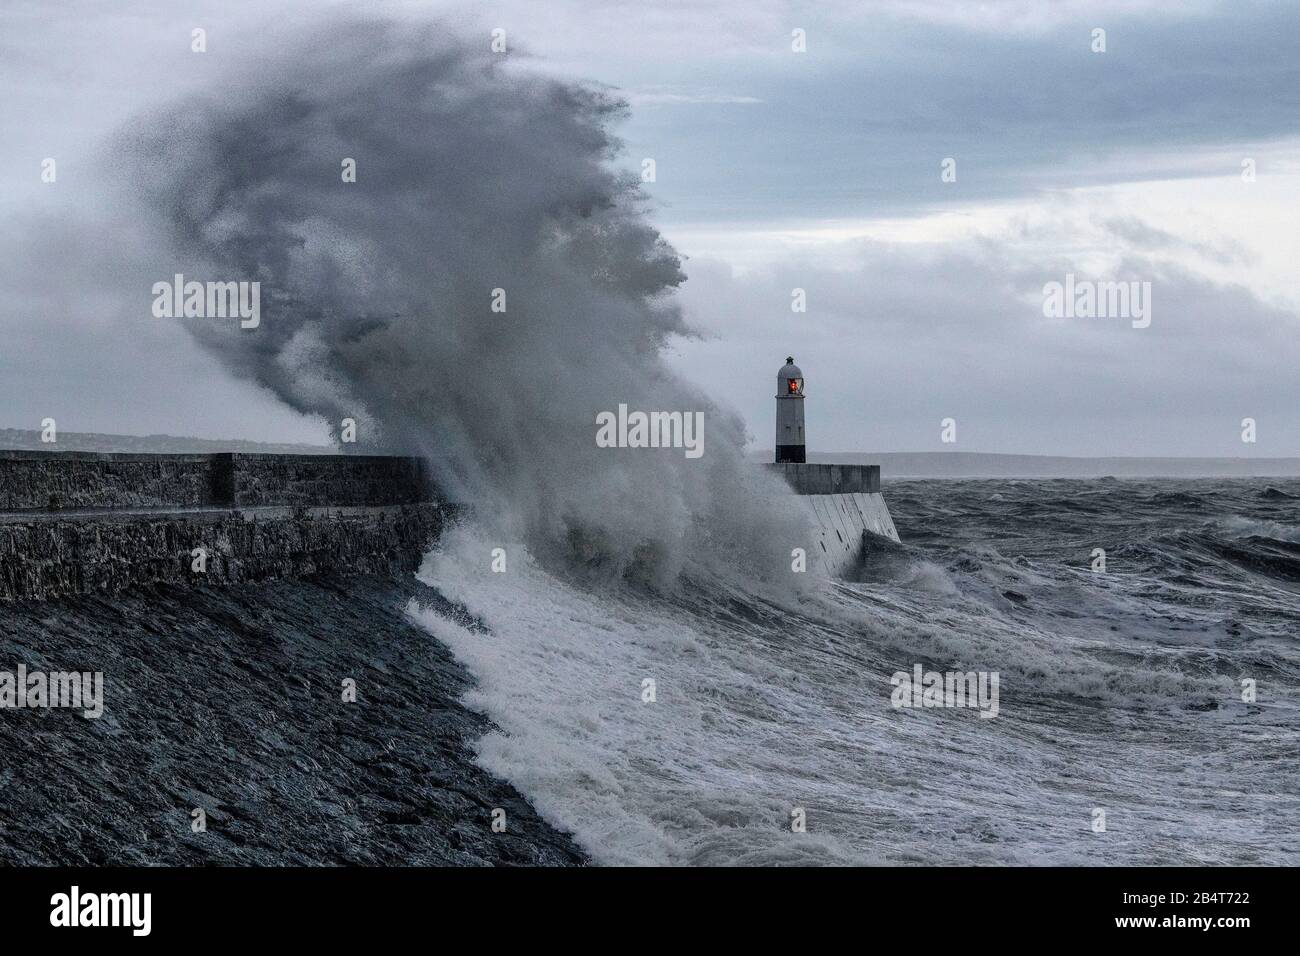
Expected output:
(229, 699)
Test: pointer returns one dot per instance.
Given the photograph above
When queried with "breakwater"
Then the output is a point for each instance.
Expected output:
(846, 508)
(225, 688)
(82, 523)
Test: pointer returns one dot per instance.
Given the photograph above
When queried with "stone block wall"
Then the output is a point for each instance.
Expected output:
(80, 523)
(60, 481)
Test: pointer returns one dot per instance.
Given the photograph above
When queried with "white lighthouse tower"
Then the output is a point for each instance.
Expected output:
(789, 414)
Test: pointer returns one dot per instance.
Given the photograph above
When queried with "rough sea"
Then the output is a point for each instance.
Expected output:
(1125, 730)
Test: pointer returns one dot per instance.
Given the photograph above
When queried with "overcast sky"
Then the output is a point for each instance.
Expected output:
(775, 170)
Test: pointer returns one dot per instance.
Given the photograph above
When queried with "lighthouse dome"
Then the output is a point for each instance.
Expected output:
(789, 381)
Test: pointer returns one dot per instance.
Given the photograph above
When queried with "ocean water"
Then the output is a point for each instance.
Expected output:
(1119, 691)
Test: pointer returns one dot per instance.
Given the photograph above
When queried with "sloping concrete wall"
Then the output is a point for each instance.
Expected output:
(844, 503)
(839, 522)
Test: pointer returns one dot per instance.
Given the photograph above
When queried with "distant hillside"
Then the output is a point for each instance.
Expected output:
(21, 439)
(962, 464)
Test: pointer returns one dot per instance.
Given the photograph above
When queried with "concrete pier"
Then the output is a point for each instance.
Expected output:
(846, 508)
(830, 479)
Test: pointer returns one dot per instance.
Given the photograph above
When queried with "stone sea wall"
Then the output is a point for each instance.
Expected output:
(92, 523)
(57, 481)
(223, 688)
(32, 481)
(41, 559)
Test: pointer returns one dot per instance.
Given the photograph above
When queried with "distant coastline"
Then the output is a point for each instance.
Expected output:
(26, 439)
(907, 464)
(962, 464)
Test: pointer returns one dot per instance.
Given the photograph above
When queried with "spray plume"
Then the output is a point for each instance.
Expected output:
(471, 176)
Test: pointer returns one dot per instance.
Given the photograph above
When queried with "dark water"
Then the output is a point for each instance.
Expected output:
(1210, 568)
(1121, 691)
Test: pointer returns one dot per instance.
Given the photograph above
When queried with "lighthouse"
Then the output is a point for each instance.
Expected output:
(789, 413)
(847, 514)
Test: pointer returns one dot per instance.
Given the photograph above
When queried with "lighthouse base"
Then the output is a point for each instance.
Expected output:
(792, 454)
(846, 508)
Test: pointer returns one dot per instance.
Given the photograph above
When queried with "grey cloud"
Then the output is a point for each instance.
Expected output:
(914, 333)
(1146, 236)
(858, 126)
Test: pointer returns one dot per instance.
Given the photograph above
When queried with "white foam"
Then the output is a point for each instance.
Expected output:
(776, 710)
